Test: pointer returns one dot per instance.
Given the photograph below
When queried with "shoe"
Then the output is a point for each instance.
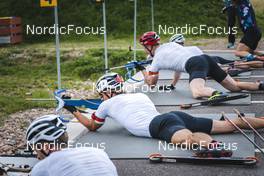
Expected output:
(231, 46)
(218, 95)
(215, 150)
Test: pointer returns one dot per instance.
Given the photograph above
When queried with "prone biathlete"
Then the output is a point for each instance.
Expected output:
(246, 48)
(179, 38)
(172, 56)
(137, 113)
(47, 136)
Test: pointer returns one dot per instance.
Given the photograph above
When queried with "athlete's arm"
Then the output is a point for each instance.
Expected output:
(176, 78)
(88, 123)
(150, 78)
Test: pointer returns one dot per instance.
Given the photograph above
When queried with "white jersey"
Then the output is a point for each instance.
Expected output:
(172, 56)
(132, 111)
(86, 161)
(195, 49)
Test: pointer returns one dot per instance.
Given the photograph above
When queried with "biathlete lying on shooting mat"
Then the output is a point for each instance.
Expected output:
(179, 39)
(47, 136)
(172, 56)
(246, 48)
(137, 113)
(229, 66)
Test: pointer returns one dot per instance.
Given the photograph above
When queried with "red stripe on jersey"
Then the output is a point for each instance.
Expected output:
(94, 117)
(153, 73)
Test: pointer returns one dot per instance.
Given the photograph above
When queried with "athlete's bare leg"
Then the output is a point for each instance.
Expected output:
(236, 86)
(225, 127)
(199, 89)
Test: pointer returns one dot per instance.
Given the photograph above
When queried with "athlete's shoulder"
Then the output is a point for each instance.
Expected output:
(86, 150)
(163, 50)
(40, 169)
(170, 44)
(106, 102)
(90, 152)
(142, 96)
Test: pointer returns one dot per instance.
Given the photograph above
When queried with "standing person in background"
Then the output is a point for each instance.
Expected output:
(230, 9)
(246, 48)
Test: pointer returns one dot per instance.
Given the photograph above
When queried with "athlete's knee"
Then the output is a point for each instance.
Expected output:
(182, 136)
(187, 139)
(231, 84)
(198, 92)
(198, 87)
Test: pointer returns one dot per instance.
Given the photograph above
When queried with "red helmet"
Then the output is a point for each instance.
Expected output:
(149, 38)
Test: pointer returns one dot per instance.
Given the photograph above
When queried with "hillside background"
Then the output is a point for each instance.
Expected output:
(120, 15)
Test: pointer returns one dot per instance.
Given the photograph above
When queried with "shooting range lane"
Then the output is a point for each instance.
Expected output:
(120, 144)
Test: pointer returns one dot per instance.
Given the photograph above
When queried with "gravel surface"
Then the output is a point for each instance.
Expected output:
(12, 133)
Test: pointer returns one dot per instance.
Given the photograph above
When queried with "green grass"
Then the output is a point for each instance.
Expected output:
(29, 70)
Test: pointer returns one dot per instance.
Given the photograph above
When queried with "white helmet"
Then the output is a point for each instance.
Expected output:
(177, 38)
(109, 82)
(45, 128)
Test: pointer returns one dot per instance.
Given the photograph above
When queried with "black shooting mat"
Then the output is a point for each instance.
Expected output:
(182, 94)
(119, 143)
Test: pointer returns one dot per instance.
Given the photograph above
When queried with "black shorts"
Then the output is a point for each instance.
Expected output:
(203, 66)
(251, 37)
(165, 125)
